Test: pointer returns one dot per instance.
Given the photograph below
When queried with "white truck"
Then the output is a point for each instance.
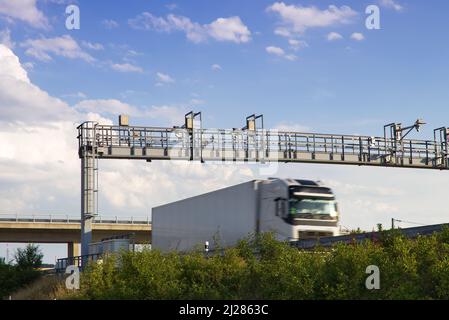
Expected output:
(292, 209)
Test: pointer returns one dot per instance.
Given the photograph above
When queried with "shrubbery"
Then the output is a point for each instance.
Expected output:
(262, 268)
(13, 277)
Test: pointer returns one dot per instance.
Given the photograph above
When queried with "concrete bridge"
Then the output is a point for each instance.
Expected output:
(67, 229)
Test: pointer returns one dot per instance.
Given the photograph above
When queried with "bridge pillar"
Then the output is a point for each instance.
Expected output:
(73, 249)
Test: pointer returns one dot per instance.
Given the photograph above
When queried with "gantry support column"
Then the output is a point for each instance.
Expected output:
(88, 197)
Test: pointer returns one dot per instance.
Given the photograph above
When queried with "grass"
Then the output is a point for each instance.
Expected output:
(47, 287)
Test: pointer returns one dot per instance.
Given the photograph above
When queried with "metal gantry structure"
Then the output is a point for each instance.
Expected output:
(252, 143)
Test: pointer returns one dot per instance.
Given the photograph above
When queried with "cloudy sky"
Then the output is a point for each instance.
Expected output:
(306, 65)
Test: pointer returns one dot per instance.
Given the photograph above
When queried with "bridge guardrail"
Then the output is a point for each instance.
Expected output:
(327, 242)
(61, 218)
(63, 263)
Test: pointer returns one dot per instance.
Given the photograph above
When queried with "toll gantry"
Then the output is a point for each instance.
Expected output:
(252, 144)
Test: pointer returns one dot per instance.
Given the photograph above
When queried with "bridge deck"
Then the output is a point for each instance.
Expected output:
(55, 229)
(67, 219)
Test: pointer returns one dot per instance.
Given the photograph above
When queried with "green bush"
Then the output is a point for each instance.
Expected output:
(13, 277)
(262, 268)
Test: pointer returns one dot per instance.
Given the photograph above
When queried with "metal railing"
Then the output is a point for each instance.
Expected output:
(326, 242)
(61, 218)
(63, 263)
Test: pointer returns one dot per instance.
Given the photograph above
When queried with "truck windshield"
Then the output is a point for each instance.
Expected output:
(313, 207)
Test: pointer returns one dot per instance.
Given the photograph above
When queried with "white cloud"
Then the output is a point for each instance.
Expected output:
(165, 115)
(93, 46)
(293, 42)
(280, 53)
(11, 65)
(164, 78)
(291, 127)
(281, 31)
(348, 189)
(275, 50)
(296, 44)
(5, 38)
(126, 67)
(24, 10)
(34, 121)
(230, 29)
(132, 53)
(106, 107)
(391, 4)
(171, 6)
(148, 21)
(28, 66)
(15, 104)
(157, 178)
(291, 57)
(216, 67)
(197, 102)
(60, 2)
(357, 36)
(297, 19)
(64, 46)
(110, 24)
(332, 36)
(78, 95)
(168, 114)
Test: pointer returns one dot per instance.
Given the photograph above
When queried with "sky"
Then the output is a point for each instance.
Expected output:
(305, 65)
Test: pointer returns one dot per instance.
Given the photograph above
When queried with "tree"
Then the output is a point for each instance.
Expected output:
(356, 231)
(29, 258)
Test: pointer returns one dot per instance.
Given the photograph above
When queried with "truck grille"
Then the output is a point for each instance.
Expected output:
(313, 234)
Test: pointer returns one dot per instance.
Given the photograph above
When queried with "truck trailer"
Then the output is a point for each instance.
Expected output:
(292, 209)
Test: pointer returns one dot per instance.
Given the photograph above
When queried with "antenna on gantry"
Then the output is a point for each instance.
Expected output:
(394, 136)
(251, 124)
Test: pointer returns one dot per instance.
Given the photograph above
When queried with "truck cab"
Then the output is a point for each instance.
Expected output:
(297, 209)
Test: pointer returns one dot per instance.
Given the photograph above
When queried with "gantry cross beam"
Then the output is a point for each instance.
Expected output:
(248, 144)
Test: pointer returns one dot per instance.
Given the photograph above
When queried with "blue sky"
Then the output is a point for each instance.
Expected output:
(332, 84)
(306, 65)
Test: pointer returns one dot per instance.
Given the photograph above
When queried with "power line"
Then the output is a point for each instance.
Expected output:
(405, 221)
